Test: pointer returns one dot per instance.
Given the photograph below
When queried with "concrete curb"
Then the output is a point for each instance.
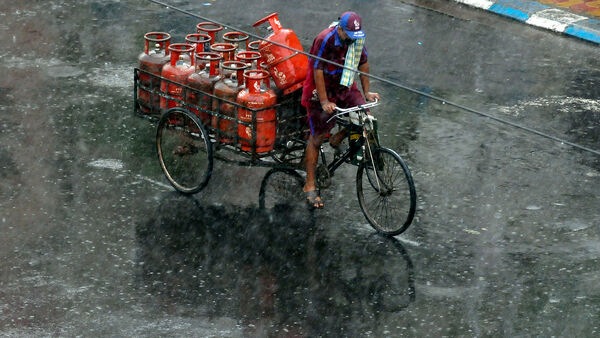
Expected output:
(540, 15)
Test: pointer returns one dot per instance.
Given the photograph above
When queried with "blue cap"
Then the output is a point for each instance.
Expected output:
(351, 23)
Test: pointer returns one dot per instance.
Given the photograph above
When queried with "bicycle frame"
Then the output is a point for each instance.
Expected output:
(361, 122)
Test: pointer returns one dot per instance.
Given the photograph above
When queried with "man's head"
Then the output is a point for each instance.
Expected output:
(351, 24)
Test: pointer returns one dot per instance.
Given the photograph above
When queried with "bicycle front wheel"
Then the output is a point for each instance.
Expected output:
(184, 150)
(386, 192)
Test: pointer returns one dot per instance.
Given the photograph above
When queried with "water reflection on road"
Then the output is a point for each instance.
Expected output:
(272, 273)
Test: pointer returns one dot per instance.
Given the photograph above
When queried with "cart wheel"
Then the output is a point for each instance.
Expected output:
(386, 192)
(184, 150)
(281, 186)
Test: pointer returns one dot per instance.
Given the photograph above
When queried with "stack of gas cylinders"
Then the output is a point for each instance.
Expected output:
(227, 81)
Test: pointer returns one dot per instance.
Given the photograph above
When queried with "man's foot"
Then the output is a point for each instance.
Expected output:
(313, 199)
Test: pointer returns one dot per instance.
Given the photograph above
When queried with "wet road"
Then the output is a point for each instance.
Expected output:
(95, 243)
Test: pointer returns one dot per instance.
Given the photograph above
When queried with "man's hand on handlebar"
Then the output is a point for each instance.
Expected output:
(328, 107)
(370, 96)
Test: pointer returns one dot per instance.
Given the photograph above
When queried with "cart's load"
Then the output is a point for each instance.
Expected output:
(205, 77)
(226, 91)
(249, 57)
(211, 29)
(203, 82)
(256, 115)
(175, 73)
(238, 39)
(226, 49)
(200, 41)
(152, 60)
(280, 52)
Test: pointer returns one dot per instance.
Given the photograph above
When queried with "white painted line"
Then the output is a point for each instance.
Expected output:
(554, 19)
(483, 4)
(560, 16)
(547, 24)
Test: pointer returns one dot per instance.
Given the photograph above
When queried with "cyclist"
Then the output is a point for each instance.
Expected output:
(328, 85)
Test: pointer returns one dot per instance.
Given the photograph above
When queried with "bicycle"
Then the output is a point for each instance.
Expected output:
(384, 184)
(187, 146)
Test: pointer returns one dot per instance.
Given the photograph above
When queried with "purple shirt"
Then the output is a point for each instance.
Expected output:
(327, 45)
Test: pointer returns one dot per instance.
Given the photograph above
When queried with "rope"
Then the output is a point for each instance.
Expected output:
(395, 84)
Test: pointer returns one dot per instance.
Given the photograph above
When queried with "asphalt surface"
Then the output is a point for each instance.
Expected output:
(94, 242)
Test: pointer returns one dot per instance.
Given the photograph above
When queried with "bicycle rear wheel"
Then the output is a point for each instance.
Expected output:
(386, 192)
(184, 150)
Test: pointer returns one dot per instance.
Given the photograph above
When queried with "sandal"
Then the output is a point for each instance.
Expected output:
(313, 199)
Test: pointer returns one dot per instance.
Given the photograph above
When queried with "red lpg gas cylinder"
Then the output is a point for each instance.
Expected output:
(239, 39)
(226, 90)
(201, 42)
(226, 49)
(259, 129)
(249, 57)
(287, 66)
(210, 28)
(180, 67)
(254, 45)
(203, 80)
(154, 57)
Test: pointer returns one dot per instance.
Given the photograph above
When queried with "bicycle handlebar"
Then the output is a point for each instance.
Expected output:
(359, 107)
(343, 111)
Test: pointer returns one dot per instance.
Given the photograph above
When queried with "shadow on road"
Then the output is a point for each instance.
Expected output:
(275, 271)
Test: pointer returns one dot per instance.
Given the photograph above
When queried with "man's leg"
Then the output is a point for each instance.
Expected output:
(338, 137)
(311, 157)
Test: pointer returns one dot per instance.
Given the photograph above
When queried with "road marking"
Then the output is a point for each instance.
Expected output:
(543, 16)
(554, 19)
(483, 4)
